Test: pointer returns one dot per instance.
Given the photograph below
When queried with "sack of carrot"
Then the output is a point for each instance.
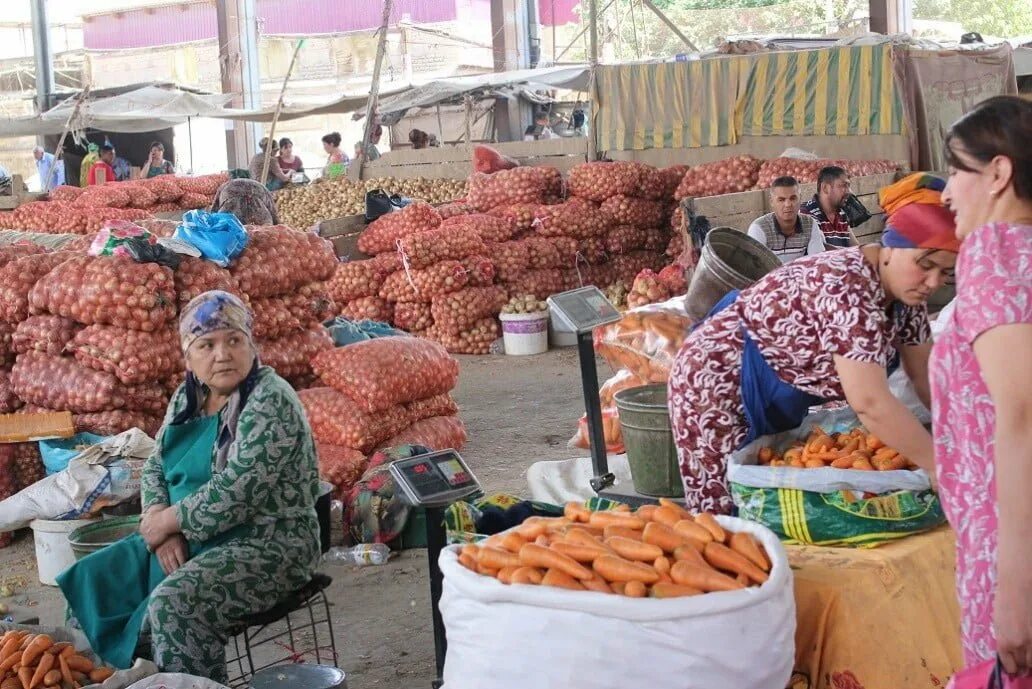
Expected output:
(627, 586)
(28, 661)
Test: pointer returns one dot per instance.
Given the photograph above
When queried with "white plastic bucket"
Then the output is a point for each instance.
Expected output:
(525, 333)
(53, 552)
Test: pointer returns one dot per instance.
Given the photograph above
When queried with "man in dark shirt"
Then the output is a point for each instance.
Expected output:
(826, 207)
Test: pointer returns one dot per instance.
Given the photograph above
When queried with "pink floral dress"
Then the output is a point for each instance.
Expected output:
(994, 288)
(800, 316)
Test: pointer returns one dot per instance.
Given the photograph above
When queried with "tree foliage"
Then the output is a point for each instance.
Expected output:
(1001, 18)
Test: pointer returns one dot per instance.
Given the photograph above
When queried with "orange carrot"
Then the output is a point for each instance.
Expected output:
(843, 462)
(35, 649)
(468, 549)
(597, 584)
(560, 579)
(622, 507)
(531, 528)
(527, 575)
(52, 678)
(709, 522)
(513, 542)
(584, 538)
(66, 672)
(623, 532)
(663, 537)
(662, 565)
(46, 664)
(613, 568)
(505, 574)
(10, 647)
(576, 512)
(696, 532)
(10, 661)
(468, 561)
(667, 502)
(487, 571)
(557, 524)
(25, 676)
(703, 578)
(543, 540)
(646, 512)
(667, 515)
(689, 553)
(618, 587)
(635, 589)
(747, 546)
(495, 558)
(101, 674)
(533, 555)
(579, 551)
(742, 579)
(722, 557)
(665, 590)
(634, 550)
(605, 519)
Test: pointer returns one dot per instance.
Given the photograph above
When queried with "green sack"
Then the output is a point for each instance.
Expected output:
(838, 518)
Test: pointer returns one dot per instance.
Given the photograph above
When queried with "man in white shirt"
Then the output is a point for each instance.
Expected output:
(786, 232)
(540, 130)
(45, 162)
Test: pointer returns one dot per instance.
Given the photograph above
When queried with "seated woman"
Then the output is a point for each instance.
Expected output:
(229, 526)
(248, 200)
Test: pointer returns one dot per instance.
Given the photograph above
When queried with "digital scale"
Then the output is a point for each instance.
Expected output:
(434, 481)
(583, 310)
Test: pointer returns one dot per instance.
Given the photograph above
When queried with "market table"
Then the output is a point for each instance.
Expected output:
(881, 618)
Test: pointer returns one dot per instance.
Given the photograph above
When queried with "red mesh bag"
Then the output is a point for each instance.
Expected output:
(453, 313)
(510, 258)
(627, 266)
(165, 187)
(383, 372)
(382, 235)
(593, 250)
(203, 184)
(436, 433)
(341, 466)
(9, 402)
(337, 420)
(542, 253)
(132, 356)
(272, 318)
(721, 177)
(369, 309)
(450, 210)
(8, 485)
(425, 284)
(190, 201)
(195, 276)
(656, 239)
(61, 383)
(66, 192)
(624, 238)
(427, 248)
(519, 185)
(627, 210)
(521, 215)
(28, 464)
(291, 356)
(112, 290)
(7, 350)
(572, 219)
(413, 316)
(17, 279)
(480, 269)
(15, 251)
(47, 334)
(355, 279)
(279, 260)
(599, 180)
(672, 177)
(438, 405)
(541, 283)
(489, 227)
(488, 160)
(476, 339)
(104, 196)
(117, 421)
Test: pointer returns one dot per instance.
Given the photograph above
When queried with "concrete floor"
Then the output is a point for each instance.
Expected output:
(518, 410)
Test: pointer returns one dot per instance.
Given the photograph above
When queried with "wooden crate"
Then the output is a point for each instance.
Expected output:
(343, 234)
(18, 195)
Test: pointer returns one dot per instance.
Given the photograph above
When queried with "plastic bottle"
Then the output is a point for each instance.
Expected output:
(362, 554)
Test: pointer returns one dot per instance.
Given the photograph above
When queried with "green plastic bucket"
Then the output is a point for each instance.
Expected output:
(645, 425)
(93, 537)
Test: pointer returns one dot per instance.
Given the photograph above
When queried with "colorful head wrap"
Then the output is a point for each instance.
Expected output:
(916, 217)
(211, 311)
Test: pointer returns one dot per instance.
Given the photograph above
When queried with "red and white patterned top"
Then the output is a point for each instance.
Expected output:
(994, 288)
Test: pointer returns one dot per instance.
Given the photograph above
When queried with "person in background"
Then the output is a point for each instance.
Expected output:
(787, 232)
(336, 160)
(822, 328)
(102, 172)
(277, 177)
(123, 169)
(826, 207)
(51, 170)
(540, 130)
(578, 120)
(248, 200)
(156, 163)
(289, 162)
(419, 139)
(91, 157)
(981, 377)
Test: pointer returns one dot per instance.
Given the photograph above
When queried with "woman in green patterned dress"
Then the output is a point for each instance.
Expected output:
(228, 526)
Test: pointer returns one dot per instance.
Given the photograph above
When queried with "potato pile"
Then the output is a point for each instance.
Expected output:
(31, 661)
(658, 551)
(525, 303)
(857, 449)
(373, 393)
(304, 206)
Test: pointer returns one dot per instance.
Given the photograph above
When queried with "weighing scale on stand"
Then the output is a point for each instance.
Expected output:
(434, 481)
(583, 310)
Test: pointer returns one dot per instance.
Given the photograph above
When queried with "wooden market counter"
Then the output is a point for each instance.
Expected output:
(881, 618)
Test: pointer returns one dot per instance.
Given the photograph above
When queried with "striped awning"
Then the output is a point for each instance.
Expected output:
(847, 91)
(670, 104)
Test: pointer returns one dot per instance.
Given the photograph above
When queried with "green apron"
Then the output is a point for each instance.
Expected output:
(108, 591)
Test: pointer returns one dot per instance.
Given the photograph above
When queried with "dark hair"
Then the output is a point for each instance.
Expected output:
(107, 147)
(333, 139)
(418, 137)
(785, 181)
(264, 144)
(284, 142)
(158, 145)
(830, 174)
(998, 126)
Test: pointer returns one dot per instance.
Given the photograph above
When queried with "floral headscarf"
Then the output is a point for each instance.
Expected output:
(248, 200)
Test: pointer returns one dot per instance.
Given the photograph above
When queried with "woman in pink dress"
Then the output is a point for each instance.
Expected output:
(823, 327)
(981, 375)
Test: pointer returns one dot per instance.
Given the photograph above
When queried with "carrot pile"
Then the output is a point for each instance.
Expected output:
(660, 551)
(857, 449)
(28, 661)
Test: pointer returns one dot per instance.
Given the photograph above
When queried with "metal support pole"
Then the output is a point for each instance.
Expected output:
(593, 83)
(44, 57)
(603, 478)
(670, 25)
(435, 542)
(374, 90)
(279, 109)
(238, 64)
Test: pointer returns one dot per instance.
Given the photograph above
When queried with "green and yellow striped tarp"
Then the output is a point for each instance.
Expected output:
(668, 105)
(847, 91)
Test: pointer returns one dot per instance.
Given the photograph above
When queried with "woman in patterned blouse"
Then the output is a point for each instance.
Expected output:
(821, 328)
(229, 525)
(982, 382)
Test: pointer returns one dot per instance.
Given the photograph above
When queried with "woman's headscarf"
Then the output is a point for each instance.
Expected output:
(248, 200)
(916, 217)
(206, 313)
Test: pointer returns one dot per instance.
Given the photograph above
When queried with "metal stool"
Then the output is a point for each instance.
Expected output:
(254, 631)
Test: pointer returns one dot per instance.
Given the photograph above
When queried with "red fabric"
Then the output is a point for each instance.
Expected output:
(109, 173)
(924, 226)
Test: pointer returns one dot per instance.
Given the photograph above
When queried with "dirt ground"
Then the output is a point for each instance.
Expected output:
(518, 410)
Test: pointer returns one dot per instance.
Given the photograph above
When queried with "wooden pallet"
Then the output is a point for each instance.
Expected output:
(23, 428)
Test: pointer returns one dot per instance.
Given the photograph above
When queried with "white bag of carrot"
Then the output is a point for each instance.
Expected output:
(656, 598)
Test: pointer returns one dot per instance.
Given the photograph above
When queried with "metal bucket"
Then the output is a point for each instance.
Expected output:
(651, 454)
(729, 260)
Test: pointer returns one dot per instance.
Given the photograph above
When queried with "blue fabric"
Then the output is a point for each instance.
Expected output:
(218, 236)
(57, 453)
(345, 331)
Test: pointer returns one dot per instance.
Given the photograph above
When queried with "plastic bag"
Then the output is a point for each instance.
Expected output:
(336, 420)
(378, 374)
(436, 432)
(488, 160)
(610, 429)
(218, 236)
(345, 331)
(114, 235)
(646, 340)
(57, 453)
